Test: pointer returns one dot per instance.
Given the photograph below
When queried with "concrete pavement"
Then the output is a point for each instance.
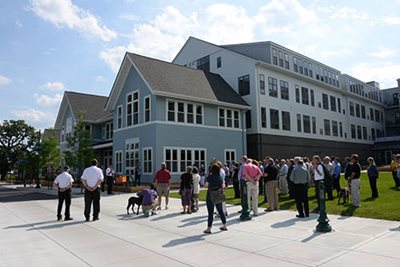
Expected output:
(30, 235)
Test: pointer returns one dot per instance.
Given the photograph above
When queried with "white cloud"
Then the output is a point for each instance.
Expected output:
(348, 13)
(384, 52)
(63, 13)
(100, 79)
(4, 80)
(46, 100)
(392, 20)
(55, 86)
(284, 16)
(18, 23)
(35, 117)
(384, 73)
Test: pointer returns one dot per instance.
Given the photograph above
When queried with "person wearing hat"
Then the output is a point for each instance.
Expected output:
(162, 182)
(64, 183)
(300, 177)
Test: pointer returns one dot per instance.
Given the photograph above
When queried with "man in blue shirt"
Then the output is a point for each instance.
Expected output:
(336, 174)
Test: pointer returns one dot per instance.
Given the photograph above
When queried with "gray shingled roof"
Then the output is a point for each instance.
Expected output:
(183, 81)
(92, 106)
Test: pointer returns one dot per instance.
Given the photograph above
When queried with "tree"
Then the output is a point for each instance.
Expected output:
(50, 157)
(79, 153)
(17, 139)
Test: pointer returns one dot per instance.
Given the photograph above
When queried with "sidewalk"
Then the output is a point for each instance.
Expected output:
(30, 234)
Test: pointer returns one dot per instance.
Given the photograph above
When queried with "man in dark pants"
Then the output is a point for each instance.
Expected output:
(300, 177)
(319, 176)
(109, 179)
(64, 183)
(91, 178)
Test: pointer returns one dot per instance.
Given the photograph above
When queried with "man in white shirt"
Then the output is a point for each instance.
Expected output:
(91, 178)
(64, 183)
(319, 176)
(109, 179)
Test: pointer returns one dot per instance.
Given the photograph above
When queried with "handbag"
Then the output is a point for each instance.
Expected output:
(217, 195)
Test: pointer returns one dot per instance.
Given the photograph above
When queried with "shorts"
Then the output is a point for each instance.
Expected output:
(162, 190)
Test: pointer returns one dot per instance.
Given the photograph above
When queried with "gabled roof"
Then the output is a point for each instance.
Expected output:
(91, 107)
(172, 80)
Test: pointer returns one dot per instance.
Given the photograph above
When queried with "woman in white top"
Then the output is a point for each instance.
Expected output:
(196, 186)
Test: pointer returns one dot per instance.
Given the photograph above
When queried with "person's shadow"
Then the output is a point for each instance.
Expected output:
(185, 240)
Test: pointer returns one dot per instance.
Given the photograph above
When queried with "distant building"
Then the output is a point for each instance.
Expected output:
(299, 105)
(98, 121)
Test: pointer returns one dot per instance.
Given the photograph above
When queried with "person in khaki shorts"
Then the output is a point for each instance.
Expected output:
(163, 181)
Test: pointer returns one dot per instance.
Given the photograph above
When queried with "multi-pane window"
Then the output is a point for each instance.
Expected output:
(203, 63)
(119, 117)
(118, 161)
(274, 57)
(340, 129)
(286, 120)
(335, 131)
(314, 125)
(284, 90)
(177, 159)
(287, 61)
(263, 117)
(230, 155)
(262, 84)
(351, 105)
(377, 115)
(280, 54)
(353, 131)
(312, 97)
(339, 105)
(109, 130)
(295, 66)
(365, 134)
(132, 109)
(304, 96)
(274, 118)
(244, 85)
(333, 103)
(325, 103)
(273, 87)
(363, 111)
(297, 88)
(327, 127)
(357, 110)
(299, 123)
(305, 68)
(147, 160)
(371, 114)
(228, 118)
(219, 62)
(184, 112)
(306, 124)
(310, 70)
(359, 133)
(147, 107)
(131, 155)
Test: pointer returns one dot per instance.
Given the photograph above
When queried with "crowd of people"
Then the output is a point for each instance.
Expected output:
(250, 178)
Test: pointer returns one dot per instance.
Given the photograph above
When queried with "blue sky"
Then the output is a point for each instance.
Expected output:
(49, 46)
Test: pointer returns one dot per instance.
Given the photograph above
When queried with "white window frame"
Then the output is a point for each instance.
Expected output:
(225, 118)
(119, 164)
(120, 116)
(109, 133)
(135, 151)
(146, 160)
(146, 110)
(179, 160)
(230, 151)
(185, 112)
(133, 113)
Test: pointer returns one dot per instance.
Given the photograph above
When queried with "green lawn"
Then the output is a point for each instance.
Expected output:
(387, 206)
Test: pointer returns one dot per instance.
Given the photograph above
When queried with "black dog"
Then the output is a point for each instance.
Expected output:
(132, 201)
(344, 194)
